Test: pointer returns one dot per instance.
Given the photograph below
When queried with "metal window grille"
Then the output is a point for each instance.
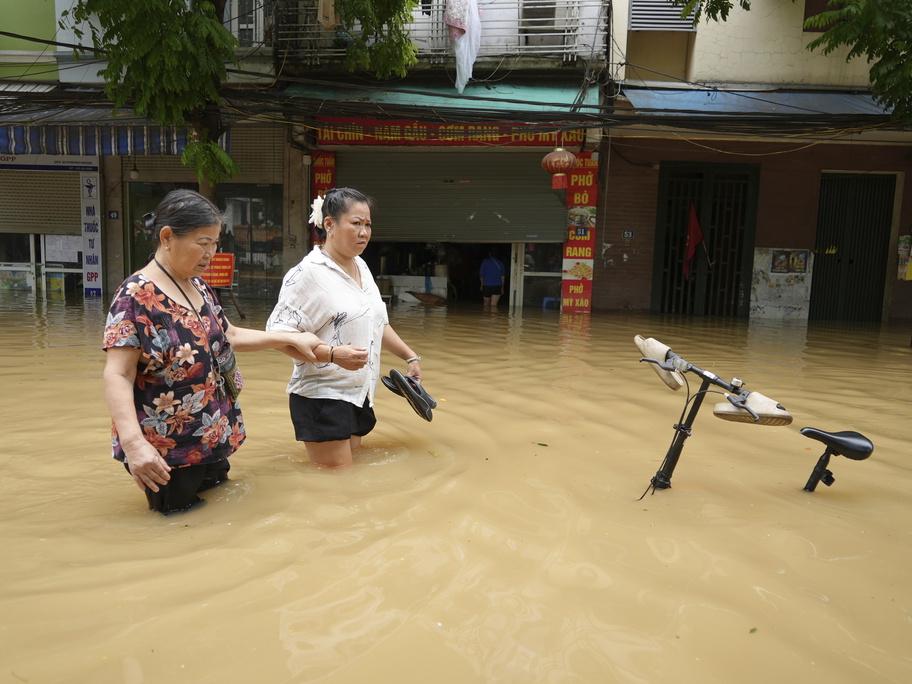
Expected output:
(659, 15)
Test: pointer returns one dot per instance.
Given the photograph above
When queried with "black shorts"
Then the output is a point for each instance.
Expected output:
(490, 290)
(329, 420)
(180, 494)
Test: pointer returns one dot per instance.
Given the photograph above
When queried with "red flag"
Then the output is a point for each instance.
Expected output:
(694, 238)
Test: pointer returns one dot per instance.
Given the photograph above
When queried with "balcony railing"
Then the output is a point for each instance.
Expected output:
(250, 21)
(553, 30)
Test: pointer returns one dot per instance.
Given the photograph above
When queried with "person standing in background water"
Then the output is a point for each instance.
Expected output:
(332, 294)
(493, 275)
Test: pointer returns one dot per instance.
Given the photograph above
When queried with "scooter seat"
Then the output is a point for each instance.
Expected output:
(853, 445)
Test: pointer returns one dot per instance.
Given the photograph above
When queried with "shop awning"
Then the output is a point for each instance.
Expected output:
(673, 102)
(87, 131)
(504, 98)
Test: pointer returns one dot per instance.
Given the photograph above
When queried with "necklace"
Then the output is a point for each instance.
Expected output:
(179, 288)
(216, 366)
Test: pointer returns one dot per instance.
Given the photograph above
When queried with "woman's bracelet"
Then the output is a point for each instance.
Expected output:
(332, 350)
(413, 359)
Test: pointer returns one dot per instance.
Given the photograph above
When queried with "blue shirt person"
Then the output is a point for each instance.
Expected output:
(493, 275)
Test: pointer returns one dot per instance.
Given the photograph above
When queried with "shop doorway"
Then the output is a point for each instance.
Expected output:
(449, 271)
(18, 262)
(60, 263)
(854, 224)
(30, 262)
(537, 274)
(718, 279)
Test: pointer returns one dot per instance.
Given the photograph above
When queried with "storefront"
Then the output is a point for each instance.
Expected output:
(50, 224)
(253, 202)
(447, 196)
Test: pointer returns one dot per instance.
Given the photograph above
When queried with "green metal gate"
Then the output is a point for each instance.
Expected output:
(725, 199)
(854, 223)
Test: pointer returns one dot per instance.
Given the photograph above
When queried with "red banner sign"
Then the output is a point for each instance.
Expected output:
(344, 131)
(323, 177)
(579, 249)
(221, 270)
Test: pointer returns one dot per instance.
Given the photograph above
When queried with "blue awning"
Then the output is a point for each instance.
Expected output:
(689, 102)
(89, 131)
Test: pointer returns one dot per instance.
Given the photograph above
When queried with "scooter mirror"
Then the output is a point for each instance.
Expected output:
(651, 348)
(768, 410)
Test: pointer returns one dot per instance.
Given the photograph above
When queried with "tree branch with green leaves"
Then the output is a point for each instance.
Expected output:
(378, 30)
(167, 60)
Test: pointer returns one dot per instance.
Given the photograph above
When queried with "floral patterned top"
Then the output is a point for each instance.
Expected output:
(182, 409)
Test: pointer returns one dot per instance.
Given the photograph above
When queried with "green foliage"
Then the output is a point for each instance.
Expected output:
(879, 31)
(717, 10)
(209, 161)
(379, 37)
(166, 59)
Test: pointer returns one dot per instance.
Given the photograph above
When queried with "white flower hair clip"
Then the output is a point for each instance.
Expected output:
(316, 213)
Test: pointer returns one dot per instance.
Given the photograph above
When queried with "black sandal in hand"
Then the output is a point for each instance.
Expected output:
(406, 386)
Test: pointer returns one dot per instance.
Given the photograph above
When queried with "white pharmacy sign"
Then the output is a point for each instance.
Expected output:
(91, 233)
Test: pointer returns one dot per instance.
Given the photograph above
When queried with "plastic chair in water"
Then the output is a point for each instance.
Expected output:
(550, 303)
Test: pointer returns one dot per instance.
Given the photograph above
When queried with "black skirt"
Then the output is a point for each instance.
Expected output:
(329, 420)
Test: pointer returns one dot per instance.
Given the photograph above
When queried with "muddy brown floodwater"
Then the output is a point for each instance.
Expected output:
(503, 542)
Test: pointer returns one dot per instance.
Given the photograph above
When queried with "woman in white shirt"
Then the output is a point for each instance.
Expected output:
(332, 294)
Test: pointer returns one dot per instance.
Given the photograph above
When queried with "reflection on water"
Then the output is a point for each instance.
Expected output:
(502, 542)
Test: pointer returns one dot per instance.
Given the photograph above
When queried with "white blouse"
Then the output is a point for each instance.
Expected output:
(317, 296)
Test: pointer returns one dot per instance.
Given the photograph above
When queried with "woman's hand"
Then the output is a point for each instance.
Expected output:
(147, 466)
(348, 357)
(413, 370)
(302, 346)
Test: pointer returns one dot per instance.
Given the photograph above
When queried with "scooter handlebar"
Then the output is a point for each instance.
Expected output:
(658, 356)
(752, 407)
(741, 406)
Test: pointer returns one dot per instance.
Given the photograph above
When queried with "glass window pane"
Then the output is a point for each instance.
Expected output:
(14, 248)
(253, 232)
(543, 257)
(144, 197)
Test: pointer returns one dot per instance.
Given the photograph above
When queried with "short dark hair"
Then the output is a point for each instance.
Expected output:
(337, 201)
(184, 211)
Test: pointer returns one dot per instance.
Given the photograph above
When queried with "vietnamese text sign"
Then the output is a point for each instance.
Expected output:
(349, 131)
(91, 234)
(579, 248)
(221, 270)
(322, 178)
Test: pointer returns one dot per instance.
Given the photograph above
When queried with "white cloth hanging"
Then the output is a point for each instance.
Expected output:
(464, 24)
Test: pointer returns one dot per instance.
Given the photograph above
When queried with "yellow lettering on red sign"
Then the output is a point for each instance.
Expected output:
(581, 199)
(221, 270)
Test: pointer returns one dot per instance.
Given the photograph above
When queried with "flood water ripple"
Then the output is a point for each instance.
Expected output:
(503, 542)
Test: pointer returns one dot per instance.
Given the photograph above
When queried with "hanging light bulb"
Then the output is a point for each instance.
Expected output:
(134, 172)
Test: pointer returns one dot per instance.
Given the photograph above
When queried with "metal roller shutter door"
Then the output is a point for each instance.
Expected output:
(39, 202)
(258, 151)
(456, 196)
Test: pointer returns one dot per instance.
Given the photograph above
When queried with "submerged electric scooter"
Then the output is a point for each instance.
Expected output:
(742, 406)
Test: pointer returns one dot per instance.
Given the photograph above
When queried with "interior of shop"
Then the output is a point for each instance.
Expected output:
(447, 271)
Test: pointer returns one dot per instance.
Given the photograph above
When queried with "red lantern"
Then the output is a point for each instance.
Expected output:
(557, 162)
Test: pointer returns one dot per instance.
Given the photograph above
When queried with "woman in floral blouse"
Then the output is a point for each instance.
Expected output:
(169, 376)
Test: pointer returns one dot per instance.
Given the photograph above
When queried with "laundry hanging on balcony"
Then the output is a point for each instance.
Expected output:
(464, 24)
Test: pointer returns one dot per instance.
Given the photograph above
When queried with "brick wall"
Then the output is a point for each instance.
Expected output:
(786, 214)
